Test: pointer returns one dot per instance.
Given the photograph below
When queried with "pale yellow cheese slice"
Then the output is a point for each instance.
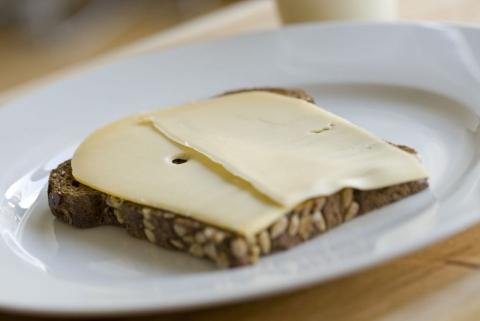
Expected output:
(131, 160)
(288, 149)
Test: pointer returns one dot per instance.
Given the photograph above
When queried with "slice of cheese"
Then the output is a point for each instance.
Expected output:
(131, 160)
(288, 149)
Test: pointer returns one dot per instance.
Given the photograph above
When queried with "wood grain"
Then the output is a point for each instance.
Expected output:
(441, 282)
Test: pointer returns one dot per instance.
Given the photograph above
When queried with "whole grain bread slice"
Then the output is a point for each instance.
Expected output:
(83, 207)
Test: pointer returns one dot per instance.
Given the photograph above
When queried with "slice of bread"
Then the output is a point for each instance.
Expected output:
(83, 207)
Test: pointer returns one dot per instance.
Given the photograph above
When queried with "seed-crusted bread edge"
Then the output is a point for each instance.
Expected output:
(81, 206)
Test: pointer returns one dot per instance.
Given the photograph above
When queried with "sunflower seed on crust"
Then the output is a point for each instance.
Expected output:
(293, 225)
(319, 221)
(179, 230)
(150, 235)
(196, 250)
(279, 227)
(347, 197)
(264, 242)
(239, 247)
(177, 244)
(352, 211)
(210, 250)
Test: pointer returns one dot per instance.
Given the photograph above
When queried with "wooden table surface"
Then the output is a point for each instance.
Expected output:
(441, 282)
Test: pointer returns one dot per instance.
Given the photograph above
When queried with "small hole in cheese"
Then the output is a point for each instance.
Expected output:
(179, 161)
(321, 130)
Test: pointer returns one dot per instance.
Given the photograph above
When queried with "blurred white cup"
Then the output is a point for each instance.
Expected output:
(292, 11)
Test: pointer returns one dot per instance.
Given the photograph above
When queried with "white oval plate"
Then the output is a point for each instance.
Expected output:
(415, 84)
